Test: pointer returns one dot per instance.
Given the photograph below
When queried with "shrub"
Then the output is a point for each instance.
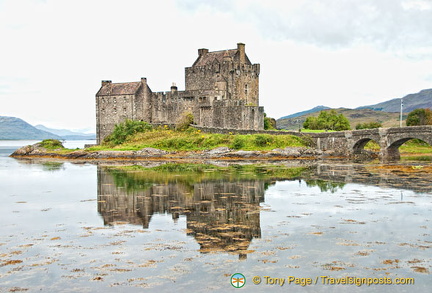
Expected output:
(51, 144)
(269, 123)
(185, 120)
(262, 140)
(238, 142)
(124, 130)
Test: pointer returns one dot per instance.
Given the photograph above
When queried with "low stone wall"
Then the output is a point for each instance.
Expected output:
(246, 131)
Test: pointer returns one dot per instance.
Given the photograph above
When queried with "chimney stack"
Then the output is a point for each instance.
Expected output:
(106, 82)
(173, 87)
(202, 52)
(242, 54)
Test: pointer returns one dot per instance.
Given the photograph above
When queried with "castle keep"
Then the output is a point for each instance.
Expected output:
(222, 90)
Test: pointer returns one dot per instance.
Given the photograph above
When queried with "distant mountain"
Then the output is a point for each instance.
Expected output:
(423, 99)
(67, 134)
(313, 110)
(15, 128)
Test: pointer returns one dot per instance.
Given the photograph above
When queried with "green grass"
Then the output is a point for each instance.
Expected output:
(194, 140)
(415, 146)
(315, 130)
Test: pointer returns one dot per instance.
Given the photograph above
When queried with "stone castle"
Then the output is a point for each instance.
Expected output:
(222, 91)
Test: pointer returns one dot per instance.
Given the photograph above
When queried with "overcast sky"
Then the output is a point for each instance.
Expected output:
(338, 53)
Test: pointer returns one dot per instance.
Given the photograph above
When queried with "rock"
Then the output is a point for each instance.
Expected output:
(243, 154)
(218, 151)
(115, 154)
(151, 152)
(25, 150)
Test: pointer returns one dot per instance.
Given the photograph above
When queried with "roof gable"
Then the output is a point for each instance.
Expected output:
(116, 89)
(210, 57)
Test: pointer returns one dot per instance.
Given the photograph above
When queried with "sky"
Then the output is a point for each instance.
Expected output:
(337, 53)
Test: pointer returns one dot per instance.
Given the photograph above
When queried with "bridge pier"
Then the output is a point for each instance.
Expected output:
(389, 154)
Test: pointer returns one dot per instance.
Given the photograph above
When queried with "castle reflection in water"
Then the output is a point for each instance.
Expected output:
(221, 215)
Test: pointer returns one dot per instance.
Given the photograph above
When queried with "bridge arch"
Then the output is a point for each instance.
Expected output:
(390, 139)
(359, 145)
(391, 152)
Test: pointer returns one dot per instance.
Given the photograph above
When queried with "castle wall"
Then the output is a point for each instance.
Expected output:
(226, 81)
(235, 115)
(169, 107)
(113, 110)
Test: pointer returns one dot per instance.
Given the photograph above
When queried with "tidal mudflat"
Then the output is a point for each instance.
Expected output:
(81, 227)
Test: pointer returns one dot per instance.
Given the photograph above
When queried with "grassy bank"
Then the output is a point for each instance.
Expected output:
(195, 140)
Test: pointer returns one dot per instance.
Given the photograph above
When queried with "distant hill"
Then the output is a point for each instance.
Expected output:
(311, 111)
(16, 128)
(422, 99)
(355, 116)
(386, 113)
(67, 134)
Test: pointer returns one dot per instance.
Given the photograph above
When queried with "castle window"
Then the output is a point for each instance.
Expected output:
(246, 89)
(115, 110)
(115, 100)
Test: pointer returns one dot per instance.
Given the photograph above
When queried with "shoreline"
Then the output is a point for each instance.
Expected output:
(151, 154)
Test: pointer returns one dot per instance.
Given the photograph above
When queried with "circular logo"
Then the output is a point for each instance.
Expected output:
(238, 280)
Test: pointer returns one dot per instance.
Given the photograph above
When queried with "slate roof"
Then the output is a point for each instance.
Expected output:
(209, 57)
(115, 89)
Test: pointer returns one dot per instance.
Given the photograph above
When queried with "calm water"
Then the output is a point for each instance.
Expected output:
(81, 227)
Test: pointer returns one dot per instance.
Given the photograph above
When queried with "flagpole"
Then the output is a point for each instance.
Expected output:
(400, 124)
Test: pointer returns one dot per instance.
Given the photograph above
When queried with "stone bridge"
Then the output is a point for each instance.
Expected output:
(389, 140)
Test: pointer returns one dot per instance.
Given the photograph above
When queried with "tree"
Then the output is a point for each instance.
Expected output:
(269, 123)
(327, 120)
(419, 117)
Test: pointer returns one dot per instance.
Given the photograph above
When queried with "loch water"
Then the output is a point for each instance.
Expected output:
(81, 227)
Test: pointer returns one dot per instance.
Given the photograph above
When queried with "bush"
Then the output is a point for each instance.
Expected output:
(185, 120)
(124, 130)
(269, 123)
(51, 144)
(238, 142)
(263, 140)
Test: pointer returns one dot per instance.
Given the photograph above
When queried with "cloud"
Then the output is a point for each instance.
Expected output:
(400, 26)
